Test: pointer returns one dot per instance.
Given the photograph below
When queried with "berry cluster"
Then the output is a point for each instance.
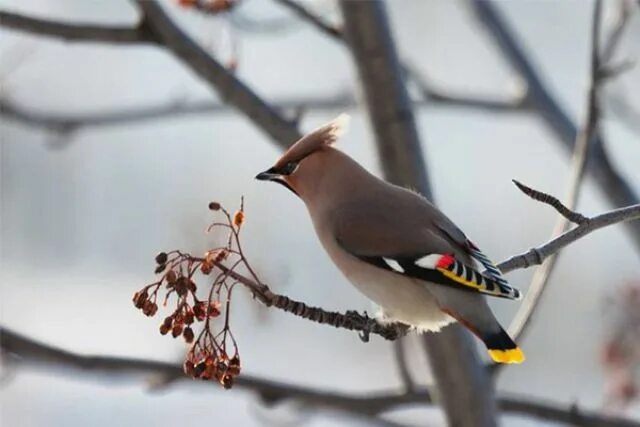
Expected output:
(213, 354)
(212, 364)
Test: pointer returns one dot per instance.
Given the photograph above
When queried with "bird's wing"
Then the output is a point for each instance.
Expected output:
(459, 239)
(400, 239)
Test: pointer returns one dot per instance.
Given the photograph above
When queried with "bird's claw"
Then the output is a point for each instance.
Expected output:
(365, 333)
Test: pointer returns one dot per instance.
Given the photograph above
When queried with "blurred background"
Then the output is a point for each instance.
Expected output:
(92, 189)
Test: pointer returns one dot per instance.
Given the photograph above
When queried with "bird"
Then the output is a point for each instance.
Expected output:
(393, 245)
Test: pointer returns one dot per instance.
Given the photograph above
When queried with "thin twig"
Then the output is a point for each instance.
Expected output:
(305, 14)
(537, 255)
(575, 217)
(613, 40)
(429, 92)
(233, 91)
(34, 353)
(61, 122)
(613, 185)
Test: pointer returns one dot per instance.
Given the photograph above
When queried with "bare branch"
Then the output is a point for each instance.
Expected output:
(305, 14)
(428, 90)
(548, 199)
(158, 27)
(230, 89)
(76, 32)
(613, 39)
(61, 122)
(584, 138)
(612, 183)
(400, 354)
(537, 255)
(33, 353)
(447, 98)
(350, 320)
(72, 122)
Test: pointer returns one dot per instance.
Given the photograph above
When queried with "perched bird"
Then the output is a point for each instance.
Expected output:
(394, 245)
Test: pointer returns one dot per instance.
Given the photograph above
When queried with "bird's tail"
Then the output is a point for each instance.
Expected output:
(502, 349)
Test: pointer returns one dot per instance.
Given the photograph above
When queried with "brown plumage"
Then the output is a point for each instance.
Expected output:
(394, 245)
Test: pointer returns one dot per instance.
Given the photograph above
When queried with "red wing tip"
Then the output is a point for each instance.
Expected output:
(445, 261)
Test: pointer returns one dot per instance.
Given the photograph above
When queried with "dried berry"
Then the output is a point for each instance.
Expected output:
(176, 331)
(150, 308)
(200, 310)
(221, 255)
(199, 369)
(227, 382)
(171, 276)
(188, 317)
(238, 218)
(168, 321)
(139, 298)
(164, 329)
(214, 206)
(206, 267)
(160, 268)
(214, 309)
(234, 366)
(188, 335)
(161, 258)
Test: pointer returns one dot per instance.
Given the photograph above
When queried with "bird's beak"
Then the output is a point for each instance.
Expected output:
(273, 176)
(267, 175)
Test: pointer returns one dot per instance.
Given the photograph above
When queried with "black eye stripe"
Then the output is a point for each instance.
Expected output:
(287, 169)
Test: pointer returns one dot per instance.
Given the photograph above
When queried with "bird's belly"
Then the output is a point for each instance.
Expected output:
(402, 299)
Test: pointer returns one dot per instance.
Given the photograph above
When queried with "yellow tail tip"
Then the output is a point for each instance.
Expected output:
(514, 355)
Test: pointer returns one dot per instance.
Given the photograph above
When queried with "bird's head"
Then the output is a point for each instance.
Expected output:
(300, 167)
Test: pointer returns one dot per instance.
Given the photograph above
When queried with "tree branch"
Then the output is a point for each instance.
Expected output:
(70, 122)
(158, 27)
(537, 255)
(76, 32)
(238, 95)
(230, 89)
(464, 388)
(428, 91)
(34, 353)
(328, 29)
(61, 122)
(614, 187)
(586, 135)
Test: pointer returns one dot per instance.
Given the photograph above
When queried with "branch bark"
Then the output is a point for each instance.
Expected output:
(612, 184)
(230, 89)
(584, 138)
(537, 255)
(76, 32)
(465, 390)
(61, 122)
(34, 353)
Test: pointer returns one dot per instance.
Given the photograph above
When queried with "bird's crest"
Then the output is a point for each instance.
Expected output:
(324, 136)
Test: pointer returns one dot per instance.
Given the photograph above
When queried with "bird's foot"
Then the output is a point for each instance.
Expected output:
(365, 321)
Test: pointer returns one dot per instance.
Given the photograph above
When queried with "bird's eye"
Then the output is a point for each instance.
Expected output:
(289, 168)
